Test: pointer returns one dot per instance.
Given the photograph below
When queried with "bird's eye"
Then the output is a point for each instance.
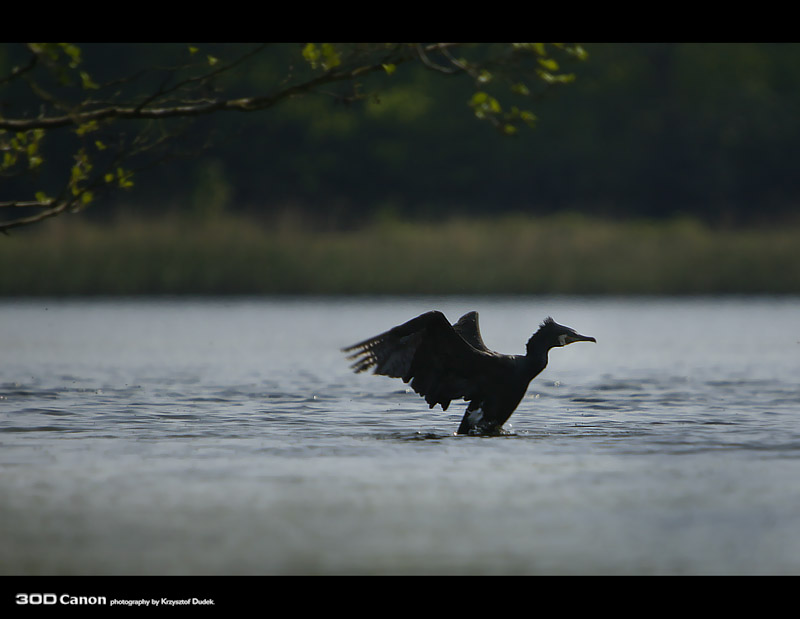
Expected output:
(562, 339)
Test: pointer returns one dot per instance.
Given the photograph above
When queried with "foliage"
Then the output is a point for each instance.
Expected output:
(72, 134)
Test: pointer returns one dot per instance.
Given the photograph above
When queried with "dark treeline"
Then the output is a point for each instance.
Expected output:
(647, 130)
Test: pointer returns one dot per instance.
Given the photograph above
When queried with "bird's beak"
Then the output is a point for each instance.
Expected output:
(579, 338)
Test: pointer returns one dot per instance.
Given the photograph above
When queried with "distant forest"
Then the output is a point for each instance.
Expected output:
(651, 130)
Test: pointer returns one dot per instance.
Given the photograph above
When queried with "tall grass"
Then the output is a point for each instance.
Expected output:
(514, 254)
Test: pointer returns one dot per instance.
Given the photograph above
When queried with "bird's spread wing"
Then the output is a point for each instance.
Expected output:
(429, 352)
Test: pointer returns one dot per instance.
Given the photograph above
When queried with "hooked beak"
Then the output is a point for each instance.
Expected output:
(569, 339)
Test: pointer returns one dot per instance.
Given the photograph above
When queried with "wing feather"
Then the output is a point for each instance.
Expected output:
(432, 355)
(467, 327)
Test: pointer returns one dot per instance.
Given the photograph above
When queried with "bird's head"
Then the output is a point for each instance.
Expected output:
(551, 335)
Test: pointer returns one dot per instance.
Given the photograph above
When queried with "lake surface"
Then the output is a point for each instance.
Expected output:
(229, 437)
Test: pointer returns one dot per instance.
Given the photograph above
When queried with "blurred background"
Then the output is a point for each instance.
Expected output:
(663, 168)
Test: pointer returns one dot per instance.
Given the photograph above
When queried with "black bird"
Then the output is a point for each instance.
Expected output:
(445, 362)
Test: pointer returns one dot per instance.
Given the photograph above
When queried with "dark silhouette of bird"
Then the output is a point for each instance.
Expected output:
(445, 362)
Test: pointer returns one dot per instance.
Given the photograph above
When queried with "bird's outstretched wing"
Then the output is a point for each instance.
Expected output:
(430, 353)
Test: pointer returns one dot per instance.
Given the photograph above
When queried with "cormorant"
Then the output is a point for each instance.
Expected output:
(445, 362)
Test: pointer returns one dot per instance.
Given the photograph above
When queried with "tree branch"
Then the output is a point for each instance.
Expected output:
(200, 108)
(51, 211)
(192, 90)
(19, 71)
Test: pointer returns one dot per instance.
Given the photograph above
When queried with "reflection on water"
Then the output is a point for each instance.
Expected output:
(200, 436)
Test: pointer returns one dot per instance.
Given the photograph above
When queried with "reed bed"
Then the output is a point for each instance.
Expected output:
(507, 255)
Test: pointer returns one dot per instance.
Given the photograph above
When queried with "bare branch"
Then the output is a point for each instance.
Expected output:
(460, 66)
(423, 56)
(57, 209)
(26, 204)
(200, 79)
(200, 108)
(19, 71)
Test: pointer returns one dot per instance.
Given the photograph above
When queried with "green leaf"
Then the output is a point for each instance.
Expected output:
(528, 118)
(539, 48)
(548, 63)
(311, 54)
(578, 52)
(485, 105)
(124, 178)
(564, 78)
(212, 60)
(331, 56)
(87, 127)
(74, 52)
(389, 68)
(479, 98)
(325, 55)
(87, 82)
(520, 89)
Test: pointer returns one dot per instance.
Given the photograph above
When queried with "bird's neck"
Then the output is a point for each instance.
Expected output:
(535, 360)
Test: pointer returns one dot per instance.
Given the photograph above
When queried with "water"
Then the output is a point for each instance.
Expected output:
(229, 437)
